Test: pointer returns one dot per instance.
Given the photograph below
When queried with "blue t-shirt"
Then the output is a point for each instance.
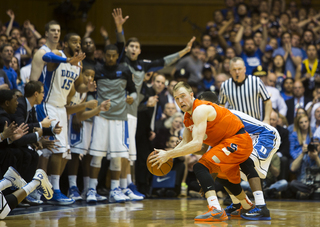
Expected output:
(251, 62)
(12, 76)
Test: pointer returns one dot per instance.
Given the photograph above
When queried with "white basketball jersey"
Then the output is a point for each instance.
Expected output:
(58, 83)
(78, 98)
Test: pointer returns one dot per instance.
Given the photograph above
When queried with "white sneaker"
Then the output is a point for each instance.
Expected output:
(45, 186)
(101, 198)
(15, 178)
(132, 197)
(116, 196)
(91, 195)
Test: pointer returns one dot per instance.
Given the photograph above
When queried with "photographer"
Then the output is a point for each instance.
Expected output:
(306, 165)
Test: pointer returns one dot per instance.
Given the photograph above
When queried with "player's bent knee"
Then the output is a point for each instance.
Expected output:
(115, 164)
(96, 161)
(248, 169)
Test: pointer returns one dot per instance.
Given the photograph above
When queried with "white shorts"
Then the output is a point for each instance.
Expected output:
(60, 115)
(264, 147)
(132, 128)
(80, 141)
(4, 207)
(109, 137)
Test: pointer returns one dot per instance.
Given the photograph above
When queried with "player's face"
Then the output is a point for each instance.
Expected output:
(53, 35)
(184, 99)
(238, 71)
(88, 76)
(111, 57)
(133, 50)
(159, 84)
(73, 45)
(88, 46)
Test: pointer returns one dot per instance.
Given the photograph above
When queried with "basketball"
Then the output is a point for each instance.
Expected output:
(164, 169)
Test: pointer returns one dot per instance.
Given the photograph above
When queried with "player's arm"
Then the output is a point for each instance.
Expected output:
(200, 117)
(37, 65)
(203, 149)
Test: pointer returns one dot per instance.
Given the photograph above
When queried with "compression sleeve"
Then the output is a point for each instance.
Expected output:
(51, 57)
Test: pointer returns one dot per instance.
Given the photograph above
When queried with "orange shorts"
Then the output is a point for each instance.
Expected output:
(220, 160)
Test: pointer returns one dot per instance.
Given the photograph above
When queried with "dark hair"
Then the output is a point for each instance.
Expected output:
(196, 44)
(34, 50)
(132, 39)
(13, 38)
(3, 46)
(32, 87)
(68, 36)
(6, 95)
(283, 67)
(52, 22)
(209, 96)
(40, 39)
(83, 40)
(308, 30)
(287, 78)
(111, 47)
(4, 35)
(14, 28)
(88, 66)
(283, 33)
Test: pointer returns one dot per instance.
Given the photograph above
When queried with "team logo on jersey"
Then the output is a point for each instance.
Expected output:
(119, 73)
(233, 147)
(68, 74)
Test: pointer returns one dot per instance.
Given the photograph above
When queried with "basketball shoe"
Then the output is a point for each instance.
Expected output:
(260, 212)
(116, 196)
(132, 197)
(45, 187)
(60, 199)
(74, 193)
(231, 208)
(14, 177)
(213, 214)
(238, 212)
(135, 191)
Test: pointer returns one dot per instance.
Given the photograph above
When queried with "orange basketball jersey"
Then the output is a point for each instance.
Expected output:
(224, 126)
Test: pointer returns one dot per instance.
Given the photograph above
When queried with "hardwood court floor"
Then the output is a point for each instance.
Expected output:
(157, 213)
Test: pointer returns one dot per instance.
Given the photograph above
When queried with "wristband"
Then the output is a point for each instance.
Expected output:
(51, 57)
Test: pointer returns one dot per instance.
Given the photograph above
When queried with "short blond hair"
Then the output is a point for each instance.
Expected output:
(182, 84)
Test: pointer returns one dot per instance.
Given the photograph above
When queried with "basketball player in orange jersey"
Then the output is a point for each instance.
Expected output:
(231, 145)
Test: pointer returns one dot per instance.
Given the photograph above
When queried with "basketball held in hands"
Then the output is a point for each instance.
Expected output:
(163, 170)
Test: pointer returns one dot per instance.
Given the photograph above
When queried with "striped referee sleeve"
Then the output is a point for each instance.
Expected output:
(222, 94)
(263, 91)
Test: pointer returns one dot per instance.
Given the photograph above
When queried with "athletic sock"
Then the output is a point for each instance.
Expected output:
(123, 183)
(129, 179)
(93, 183)
(115, 184)
(55, 180)
(72, 180)
(246, 203)
(4, 184)
(258, 198)
(234, 199)
(213, 201)
(30, 187)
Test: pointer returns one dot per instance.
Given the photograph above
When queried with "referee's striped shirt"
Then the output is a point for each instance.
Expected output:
(245, 96)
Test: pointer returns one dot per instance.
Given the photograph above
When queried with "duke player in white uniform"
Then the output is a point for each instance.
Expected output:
(266, 141)
(62, 72)
(80, 132)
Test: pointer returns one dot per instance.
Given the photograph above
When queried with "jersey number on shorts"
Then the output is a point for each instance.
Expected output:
(66, 84)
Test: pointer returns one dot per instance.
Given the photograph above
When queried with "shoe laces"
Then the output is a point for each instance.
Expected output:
(91, 192)
(230, 206)
(254, 210)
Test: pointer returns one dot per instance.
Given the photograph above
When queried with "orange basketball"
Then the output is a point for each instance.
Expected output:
(164, 169)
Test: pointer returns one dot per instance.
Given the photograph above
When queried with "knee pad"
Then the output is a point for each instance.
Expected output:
(204, 177)
(96, 161)
(115, 164)
(248, 169)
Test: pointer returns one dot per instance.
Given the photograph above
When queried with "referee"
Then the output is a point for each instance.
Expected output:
(243, 92)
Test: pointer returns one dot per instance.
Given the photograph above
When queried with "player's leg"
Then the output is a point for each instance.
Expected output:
(73, 166)
(86, 160)
(132, 128)
(215, 212)
(125, 168)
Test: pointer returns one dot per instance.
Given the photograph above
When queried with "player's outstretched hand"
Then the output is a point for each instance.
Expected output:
(159, 158)
(20, 131)
(76, 59)
(189, 45)
(118, 18)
